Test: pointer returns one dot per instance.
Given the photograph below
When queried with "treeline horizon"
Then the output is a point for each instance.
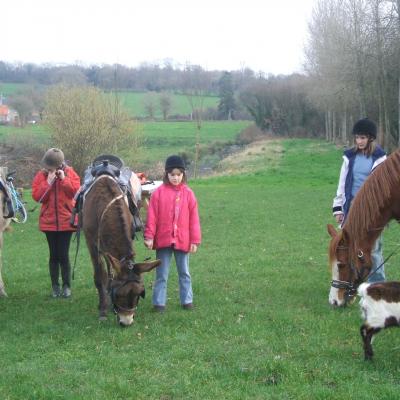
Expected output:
(155, 77)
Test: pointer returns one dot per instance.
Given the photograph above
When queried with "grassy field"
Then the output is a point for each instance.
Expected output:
(160, 139)
(262, 327)
(7, 89)
(134, 103)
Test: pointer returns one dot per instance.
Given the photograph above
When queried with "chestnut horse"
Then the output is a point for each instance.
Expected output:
(376, 203)
(109, 228)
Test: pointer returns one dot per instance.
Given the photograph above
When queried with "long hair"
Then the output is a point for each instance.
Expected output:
(369, 149)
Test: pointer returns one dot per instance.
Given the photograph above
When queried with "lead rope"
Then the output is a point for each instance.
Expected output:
(382, 263)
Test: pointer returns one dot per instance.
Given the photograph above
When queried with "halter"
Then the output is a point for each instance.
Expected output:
(132, 277)
(351, 286)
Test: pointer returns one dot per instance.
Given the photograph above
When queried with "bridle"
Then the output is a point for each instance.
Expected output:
(350, 287)
(113, 289)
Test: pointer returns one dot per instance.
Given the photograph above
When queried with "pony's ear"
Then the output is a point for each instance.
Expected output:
(140, 268)
(331, 230)
(114, 262)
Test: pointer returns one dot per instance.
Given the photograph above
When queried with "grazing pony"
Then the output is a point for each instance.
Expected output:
(109, 229)
(376, 203)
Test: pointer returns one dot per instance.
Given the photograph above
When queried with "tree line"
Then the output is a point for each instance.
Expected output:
(352, 70)
(353, 60)
(278, 104)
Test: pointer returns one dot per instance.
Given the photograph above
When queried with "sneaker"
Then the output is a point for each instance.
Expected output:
(188, 306)
(157, 308)
(66, 292)
(55, 291)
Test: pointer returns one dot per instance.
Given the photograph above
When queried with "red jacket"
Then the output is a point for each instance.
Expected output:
(173, 218)
(57, 203)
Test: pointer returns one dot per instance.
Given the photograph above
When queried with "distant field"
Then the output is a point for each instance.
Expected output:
(7, 89)
(132, 101)
(160, 139)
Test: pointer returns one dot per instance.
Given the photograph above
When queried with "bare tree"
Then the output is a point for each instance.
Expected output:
(149, 105)
(195, 86)
(165, 104)
(85, 123)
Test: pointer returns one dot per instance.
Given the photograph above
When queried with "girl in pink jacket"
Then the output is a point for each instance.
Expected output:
(173, 226)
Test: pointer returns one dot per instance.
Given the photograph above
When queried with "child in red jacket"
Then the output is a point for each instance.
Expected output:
(55, 187)
(173, 226)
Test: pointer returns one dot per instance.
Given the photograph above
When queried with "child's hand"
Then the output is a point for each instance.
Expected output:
(148, 243)
(339, 218)
(193, 248)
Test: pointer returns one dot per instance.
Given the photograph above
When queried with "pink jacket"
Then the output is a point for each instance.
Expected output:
(173, 218)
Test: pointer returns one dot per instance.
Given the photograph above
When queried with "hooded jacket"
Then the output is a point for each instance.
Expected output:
(342, 201)
(58, 202)
(173, 218)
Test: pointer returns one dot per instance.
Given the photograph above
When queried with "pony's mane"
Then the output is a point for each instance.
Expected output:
(110, 186)
(373, 196)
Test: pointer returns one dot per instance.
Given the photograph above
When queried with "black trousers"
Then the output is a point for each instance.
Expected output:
(59, 258)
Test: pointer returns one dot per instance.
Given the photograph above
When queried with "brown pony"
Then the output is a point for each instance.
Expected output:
(4, 223)
(109, 229)
(376, 203)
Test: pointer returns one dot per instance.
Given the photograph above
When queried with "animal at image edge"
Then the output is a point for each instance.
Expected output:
(108, 227)
(4, 223)
(376, 203)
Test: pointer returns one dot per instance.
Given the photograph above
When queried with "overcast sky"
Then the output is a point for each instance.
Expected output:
(264, 35)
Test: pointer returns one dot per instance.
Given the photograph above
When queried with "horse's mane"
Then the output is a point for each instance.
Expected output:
(111, 189)
(374, 195)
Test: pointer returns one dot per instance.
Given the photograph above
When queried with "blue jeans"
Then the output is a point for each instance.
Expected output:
(377, 260)
(162, 272)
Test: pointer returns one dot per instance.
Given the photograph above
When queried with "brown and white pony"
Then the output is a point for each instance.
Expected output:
(4, 223)
(376, 203)
(109, 230)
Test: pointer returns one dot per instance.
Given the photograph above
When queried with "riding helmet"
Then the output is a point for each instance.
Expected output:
(174, 162)
(53, 158)
(365, 126)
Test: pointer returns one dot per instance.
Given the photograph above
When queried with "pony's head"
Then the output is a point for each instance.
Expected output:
(127, 287)
(347, 271)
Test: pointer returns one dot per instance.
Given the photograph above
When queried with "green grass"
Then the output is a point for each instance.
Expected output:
(134, 103)
(7, 89)
(262, 327)
(160, 139)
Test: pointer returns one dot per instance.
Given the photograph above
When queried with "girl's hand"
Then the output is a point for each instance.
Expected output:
(148, 243)
(193, 248)
(60, 174)
(339, 218)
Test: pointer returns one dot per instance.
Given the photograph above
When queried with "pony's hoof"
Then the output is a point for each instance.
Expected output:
(3, 293)
(102, 318)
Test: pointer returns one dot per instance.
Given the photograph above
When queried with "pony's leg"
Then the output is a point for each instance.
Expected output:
(367, 333)
(100, 281)
(2, 288)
